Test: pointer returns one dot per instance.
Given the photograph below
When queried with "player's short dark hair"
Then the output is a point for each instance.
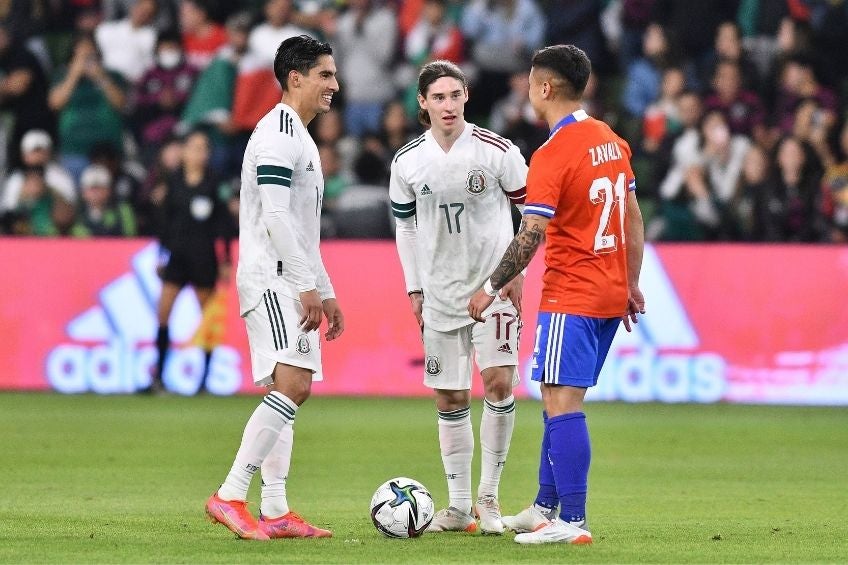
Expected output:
(569, 63)
(299, 53)
(430, 73)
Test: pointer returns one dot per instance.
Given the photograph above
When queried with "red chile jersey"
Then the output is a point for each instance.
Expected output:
(579, 179)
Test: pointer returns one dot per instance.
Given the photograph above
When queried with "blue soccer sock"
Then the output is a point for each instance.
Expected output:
(547, 496)
(570, 454)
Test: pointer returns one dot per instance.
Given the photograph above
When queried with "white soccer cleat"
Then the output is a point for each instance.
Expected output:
(528, 520)
(556, 532)
(489, 512)
(452, 520)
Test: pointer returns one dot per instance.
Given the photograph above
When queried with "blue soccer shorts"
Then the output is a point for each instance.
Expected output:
(570, 350)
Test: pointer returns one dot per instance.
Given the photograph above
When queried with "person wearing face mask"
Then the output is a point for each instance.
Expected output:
(162, 93)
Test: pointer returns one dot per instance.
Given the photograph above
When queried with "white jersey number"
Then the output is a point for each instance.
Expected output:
(603, 191)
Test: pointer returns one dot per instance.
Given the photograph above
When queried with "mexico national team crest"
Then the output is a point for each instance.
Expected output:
(303, 344)
(476, 182)
(432, 365)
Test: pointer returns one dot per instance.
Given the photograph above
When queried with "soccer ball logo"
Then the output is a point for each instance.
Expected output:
(402, 508)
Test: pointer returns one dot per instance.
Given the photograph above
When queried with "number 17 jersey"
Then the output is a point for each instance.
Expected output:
(580, 179)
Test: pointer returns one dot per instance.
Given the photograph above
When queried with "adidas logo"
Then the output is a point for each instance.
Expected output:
(505, 349)
(309, 167)
(117, 331)
(426, 191)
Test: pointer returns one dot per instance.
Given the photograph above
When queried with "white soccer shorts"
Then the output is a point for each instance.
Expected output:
(494, 343)
(274, 336)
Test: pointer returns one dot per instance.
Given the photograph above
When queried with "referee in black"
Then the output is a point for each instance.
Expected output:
(196, 229)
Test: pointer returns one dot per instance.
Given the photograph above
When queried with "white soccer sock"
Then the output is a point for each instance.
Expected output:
(261, 432)
(456, 440)
(275, 471)
(495, 434)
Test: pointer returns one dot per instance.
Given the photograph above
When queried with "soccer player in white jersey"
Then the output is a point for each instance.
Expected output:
(452, 191)
(284, 290)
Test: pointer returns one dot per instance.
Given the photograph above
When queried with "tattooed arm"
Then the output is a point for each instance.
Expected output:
(516, 258)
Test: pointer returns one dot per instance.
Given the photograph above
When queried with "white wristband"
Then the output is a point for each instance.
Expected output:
(488, 289)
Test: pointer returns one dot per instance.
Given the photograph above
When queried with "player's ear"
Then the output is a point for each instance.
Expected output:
(294, 78)
(421, 102)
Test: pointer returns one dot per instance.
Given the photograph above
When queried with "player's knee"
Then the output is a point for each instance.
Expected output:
(451, 400)
(497, 383)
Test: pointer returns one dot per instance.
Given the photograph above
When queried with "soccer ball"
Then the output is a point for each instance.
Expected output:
(402, 508)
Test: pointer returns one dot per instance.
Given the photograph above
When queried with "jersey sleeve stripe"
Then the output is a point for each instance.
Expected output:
(409, 147)
(403, 209)
(266, 179)
(517, 196)
(273, 170)
(539, 210)
(631, 184)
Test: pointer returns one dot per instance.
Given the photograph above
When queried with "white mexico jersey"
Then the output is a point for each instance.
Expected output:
(461, 201)
(280, 153)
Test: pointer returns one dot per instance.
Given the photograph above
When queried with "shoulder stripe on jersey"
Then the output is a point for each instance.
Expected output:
(486, 135)
(539, 210)
(409, 146)
(516, 196)
(273, 174)
(490, 141)
(403, 209)
(408, 143)
(286, 123)
(631, 185)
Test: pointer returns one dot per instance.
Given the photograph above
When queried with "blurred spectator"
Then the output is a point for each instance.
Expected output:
(644, 75)
(32, 212)
(578, 22)
(127, 45)
(395, 128)
(365, 43)
(37, 156)
(756, 184)
(162, 93)
(433, 37)
(23, 92)
(202, 37)
(635, 17)
(211, 101)
(798, 82)
(63, 215)
(101, 214)
(813, 125)
(335, 181)
(835, 191)
(329, 129)
(88, 100)
(728, 47)
(789, 210)
(126, 178)
(277, 27)
(662, 117)
(503, 34)
(692, 26)
(743, 109)
(26, 22)
(513, 117)
(702, 181)
(155, 188)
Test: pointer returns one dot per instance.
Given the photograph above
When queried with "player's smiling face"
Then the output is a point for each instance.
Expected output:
(320, 84)
(445, 104)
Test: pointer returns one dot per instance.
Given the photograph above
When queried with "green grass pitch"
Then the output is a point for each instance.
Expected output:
(89, 479)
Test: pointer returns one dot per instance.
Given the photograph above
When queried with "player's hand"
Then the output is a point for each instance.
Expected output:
(335, 319)
(478, 303)
(416, 299)
(312, 310)
(513, 291)
(635, 305)
(224, 272)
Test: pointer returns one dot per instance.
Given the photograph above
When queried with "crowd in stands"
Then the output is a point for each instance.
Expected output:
(735, 110)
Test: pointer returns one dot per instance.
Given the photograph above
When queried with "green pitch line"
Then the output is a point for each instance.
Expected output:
(89, 479)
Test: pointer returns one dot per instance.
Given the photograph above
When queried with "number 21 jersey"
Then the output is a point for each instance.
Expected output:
(580, 179)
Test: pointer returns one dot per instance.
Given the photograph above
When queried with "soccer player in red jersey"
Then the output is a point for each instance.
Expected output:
(580, 199)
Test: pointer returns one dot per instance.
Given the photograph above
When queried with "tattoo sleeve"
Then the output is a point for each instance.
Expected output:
(518, 254)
